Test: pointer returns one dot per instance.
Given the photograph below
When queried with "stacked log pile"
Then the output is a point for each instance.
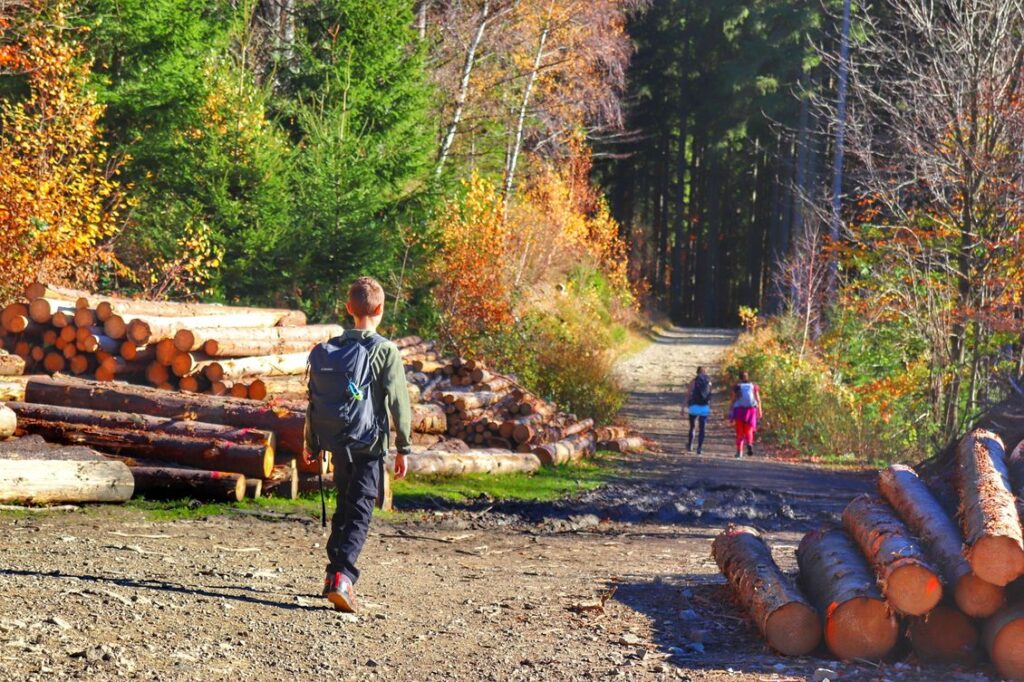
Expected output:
(899, 565)
(217, 395)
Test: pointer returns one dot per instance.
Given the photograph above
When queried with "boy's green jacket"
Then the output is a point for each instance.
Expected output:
(389, 392)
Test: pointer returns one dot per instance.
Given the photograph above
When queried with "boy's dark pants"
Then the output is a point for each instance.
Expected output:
(357, 483)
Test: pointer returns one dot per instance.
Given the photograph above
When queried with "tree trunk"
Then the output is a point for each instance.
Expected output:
(910, 584)
(29, 481)
(840, 583)
(285, 423)
(1004, 641)
(941, 538)
(517, 141)
(284, 480)
(467, 72)
(944, 636)
(783, 615)
(221, 342)
(172, 483)
(991, 525)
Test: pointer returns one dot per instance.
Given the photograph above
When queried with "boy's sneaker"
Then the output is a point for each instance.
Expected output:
(750, 451)
(339, 591)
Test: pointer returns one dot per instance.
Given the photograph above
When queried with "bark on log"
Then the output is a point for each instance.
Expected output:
(783, 615)
(988, 513)
(630, 445)
(473, 461)
(33, 413)
(945, 635)
(293, 364)
(202, 453)
(428, 418)
(283, 481)
(108, 306)
(839, 582)
(11, 365)
(217, 341)
(571, 449)
(612, 433)
(174, 483)
(926, 518)
(26, 481)
(1004, 641)
(8, 422)
(284, 422)
(908, 581)
(147, 328)
(1015, 467)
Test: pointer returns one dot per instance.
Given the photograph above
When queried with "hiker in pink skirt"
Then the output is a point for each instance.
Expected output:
(746, 410)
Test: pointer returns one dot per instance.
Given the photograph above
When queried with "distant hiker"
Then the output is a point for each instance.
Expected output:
(698, 407)
(746, 410)
(354, 379)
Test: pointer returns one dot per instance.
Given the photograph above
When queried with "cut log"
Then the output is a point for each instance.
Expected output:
(783, 615)
(612, 433)
(905, 576)
(839, 582)
(42, 310)
(439, 463)
(129, 351)
(942, 541)
(202, 453)
(26, 481)
(283, 481)
(632, 445)
(107, 306)
(8, 422)
(945, 635)
(571, 449)
(253, 488)
(285, 423)
(1004, 641)
(428, 418)
(988, 513)
(263, 365)
(143, 329)
(36, 413)
(218, 341)
(11, 365)
(1015, 467)
(174, 483)
(13, 388)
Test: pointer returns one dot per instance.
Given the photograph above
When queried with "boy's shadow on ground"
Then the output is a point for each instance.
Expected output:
(164, 586)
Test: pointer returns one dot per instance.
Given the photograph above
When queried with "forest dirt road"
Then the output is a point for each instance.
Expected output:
(490, 592)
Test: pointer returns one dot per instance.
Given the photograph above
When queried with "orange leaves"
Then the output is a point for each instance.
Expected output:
(491, 266)
(57, 199)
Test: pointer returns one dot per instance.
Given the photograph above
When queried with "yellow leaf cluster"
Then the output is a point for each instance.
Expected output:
(58, 196)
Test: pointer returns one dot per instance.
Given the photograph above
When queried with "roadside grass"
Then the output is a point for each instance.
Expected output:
(411, 496)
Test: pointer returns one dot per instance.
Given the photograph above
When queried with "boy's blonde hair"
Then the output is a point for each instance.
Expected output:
(364, 296)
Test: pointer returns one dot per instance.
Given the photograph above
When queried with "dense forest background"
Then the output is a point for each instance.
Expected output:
(526, 176)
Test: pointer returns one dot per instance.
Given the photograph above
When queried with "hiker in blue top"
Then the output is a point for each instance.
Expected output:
(698, 407)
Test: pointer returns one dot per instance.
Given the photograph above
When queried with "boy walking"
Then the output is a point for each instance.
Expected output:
(354, 380)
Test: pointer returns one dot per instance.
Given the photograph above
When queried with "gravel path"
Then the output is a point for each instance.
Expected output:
(617, 584)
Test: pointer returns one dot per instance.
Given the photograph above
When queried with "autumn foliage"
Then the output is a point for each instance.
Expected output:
(58, 200)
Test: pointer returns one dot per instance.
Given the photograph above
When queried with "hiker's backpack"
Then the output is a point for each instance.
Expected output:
(701, 394)
(746, 396)
(341, 395)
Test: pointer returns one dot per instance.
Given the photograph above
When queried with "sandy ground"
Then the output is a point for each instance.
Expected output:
(617, 584)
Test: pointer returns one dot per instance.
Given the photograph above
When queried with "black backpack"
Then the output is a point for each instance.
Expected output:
(701, 391)
(341, 395)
